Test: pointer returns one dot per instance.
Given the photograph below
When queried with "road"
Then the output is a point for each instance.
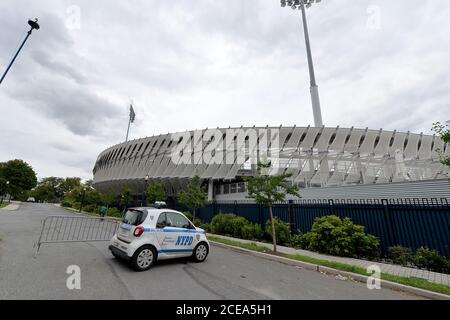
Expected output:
(227, 274)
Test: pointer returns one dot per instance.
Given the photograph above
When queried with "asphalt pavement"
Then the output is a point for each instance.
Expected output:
(227, 274)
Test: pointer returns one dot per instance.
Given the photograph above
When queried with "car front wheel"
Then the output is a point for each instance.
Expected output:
(200, 253)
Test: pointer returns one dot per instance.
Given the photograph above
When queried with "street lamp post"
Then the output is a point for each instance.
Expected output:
(9, 191)
(34, 25)
(83, 192)
(144, 198)
(302, 5)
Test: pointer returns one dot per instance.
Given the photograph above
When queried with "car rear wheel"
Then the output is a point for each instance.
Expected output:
(143, 258)
(201, 252)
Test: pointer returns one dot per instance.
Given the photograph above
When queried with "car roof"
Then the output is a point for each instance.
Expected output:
(154, 210)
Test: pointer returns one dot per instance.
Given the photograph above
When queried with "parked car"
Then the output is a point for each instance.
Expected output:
(150, 234)
(31, 199)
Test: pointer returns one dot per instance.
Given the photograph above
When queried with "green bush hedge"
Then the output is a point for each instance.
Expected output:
(282, 231)
(233, 225)
(340, 237)
(66, 204)
(431, 260)
(90, 208)
(252, 232)
(299, 241)
(401, 255)
(114, 212)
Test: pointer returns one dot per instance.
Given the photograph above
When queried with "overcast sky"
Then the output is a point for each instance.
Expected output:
(202, 64)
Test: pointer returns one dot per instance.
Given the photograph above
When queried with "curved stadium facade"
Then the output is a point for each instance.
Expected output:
(323, 158)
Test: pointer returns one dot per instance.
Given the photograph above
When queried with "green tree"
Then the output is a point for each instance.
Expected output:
(107, 199)
(155, 192)
(20, 175)
(55, 185)
(69, 184)
(443, 130)
(266, 189)
(194, 197)
(3, 188)
(43, 192)
(126, 199)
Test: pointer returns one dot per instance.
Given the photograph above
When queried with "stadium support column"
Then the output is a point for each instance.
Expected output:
(210, 190)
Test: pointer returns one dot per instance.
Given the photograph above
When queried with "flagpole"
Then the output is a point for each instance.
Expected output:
(128, 130)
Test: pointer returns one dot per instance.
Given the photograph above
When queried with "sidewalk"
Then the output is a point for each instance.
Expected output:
(385, 268)
(14, 205)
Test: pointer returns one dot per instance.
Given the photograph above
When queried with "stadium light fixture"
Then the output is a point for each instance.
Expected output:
(34, 26)
(301, 5)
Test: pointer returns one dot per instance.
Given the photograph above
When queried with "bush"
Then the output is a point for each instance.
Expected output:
(431, 260)
(298, 241)
(252, 232)
(401, 255)
(66, 204)
(331, 235)
(90, 208)
(114, 212)
(222, 224)
(199, 223)
(233, 225)
(282, 231)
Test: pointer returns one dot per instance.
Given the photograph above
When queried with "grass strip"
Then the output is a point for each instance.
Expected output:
(3, 205)
(409, 281)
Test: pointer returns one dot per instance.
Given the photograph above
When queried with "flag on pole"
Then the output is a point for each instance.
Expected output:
(132, 114)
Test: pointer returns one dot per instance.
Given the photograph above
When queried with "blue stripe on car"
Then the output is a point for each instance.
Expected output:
(175, 251)
(175, 230)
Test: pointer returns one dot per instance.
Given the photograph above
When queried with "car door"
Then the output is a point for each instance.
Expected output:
(175, 234)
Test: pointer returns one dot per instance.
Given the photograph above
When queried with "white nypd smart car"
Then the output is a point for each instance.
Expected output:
(150, 234)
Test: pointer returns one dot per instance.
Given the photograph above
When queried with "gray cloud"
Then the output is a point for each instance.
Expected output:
(212, 63)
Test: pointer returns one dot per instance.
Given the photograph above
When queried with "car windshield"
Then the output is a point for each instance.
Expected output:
(133, 217)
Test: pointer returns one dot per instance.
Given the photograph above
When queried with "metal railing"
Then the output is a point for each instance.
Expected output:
(69, 229)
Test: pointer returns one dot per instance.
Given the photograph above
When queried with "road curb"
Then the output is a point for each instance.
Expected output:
(358, 277)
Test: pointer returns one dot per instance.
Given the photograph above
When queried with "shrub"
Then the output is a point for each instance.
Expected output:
(431, 260)
(282, 231)
(401, 255)
(252, 232)
(199, 223)
(222, 224)
(66, 204)
(89, 208)
(298, 241)
(233, 225)
(331, 235)
(114, 212)
(237, 226)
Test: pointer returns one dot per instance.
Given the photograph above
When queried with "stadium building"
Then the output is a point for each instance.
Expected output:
(325, 162)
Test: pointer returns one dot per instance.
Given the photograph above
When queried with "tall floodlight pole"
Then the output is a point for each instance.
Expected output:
(302, 5)
(33, 25)
(130, 120)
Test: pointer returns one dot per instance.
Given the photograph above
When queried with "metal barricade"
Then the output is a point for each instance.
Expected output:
(70, 229)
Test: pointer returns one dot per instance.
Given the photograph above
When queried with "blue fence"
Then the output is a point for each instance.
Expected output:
(408, 222)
